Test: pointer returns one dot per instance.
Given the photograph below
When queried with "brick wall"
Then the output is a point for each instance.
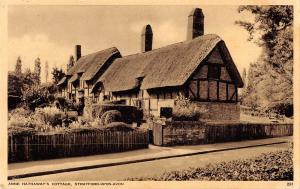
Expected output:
(192, 132)
(181, 133)
(220, 111)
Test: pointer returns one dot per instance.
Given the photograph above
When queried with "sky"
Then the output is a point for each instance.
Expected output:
(50, 32)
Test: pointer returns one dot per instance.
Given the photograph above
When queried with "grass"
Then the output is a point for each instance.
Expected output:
(257, 119)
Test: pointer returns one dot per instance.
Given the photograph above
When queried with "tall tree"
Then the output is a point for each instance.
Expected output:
(18, 68)
(46, 71)
(272, 29)
(28, 78)
(244, 76)
(71, 63)
(37, 70)
(57, 75)
(270, 81)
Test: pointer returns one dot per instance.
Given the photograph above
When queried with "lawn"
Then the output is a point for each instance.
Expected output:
(258, 119)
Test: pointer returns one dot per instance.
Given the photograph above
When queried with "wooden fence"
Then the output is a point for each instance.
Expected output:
(37, 147)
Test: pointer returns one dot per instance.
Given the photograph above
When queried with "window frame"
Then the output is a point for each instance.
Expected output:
(213, 72)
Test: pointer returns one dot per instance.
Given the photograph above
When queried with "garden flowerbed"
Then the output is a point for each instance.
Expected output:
(48, 133)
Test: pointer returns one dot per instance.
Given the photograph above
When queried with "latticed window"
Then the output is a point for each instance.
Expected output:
(214, 71)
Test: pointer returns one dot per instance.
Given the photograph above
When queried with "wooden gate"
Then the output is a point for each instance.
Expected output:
(157, 134)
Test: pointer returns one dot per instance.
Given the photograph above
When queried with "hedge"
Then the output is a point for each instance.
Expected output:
(273, 166)
(130, 114)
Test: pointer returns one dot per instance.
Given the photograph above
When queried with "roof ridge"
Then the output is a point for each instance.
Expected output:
(100, 51)
(173, 44)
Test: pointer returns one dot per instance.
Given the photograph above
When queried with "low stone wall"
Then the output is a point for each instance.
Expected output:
(189, 132)
(181, 133)
(220, 110)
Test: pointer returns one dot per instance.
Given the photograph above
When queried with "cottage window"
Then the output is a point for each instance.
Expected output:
(153, 104)
(214, 71)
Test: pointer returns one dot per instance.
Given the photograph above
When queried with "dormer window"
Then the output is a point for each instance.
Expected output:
(214, 71)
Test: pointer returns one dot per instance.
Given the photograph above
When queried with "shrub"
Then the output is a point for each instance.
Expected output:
(103, 117)
(19, 112)
(49, 116)
(60, 102)
(76, 125)
(185, 110)
(13, 101)
(111, 116)
(38, 95)
(118, 126)
(28, 123)
(14, 130)
(266, 167)
(190, 113)
(44, 128)
(130, 114)
(18, 124)
(68, 105)
(21, 121)
(87, 111)
(96, 123)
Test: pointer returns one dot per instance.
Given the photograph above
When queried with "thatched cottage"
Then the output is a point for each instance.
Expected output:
(199, 68)
(80, 78)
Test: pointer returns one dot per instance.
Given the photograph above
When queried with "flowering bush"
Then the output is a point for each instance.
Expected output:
(49, 120)
(42, 120)
(185, 110)
(18, 124)
(19, 112)
(49, 116)
(96, 123)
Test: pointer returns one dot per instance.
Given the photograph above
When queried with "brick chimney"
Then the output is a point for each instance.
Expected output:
(77, 52)
(147, 37)
(195, 24)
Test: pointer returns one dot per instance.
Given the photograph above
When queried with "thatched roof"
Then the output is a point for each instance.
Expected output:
(98, 62)
(62, 81)
(90, 64)
(164, 67)
(73, 78)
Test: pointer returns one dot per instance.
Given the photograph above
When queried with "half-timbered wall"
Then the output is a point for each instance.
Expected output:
(150, 101)
(210, 86)
(212, 82)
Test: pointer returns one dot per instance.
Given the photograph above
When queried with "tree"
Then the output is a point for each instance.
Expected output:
(272, 29)
(14, 84)
(18, 68)
(28, 79)
(37, 70)
(14, 90)
(23, 89)
(46, 71)
(57, 75)
(270, 80)
(244, 76)
(71, 63)
(18, 84)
